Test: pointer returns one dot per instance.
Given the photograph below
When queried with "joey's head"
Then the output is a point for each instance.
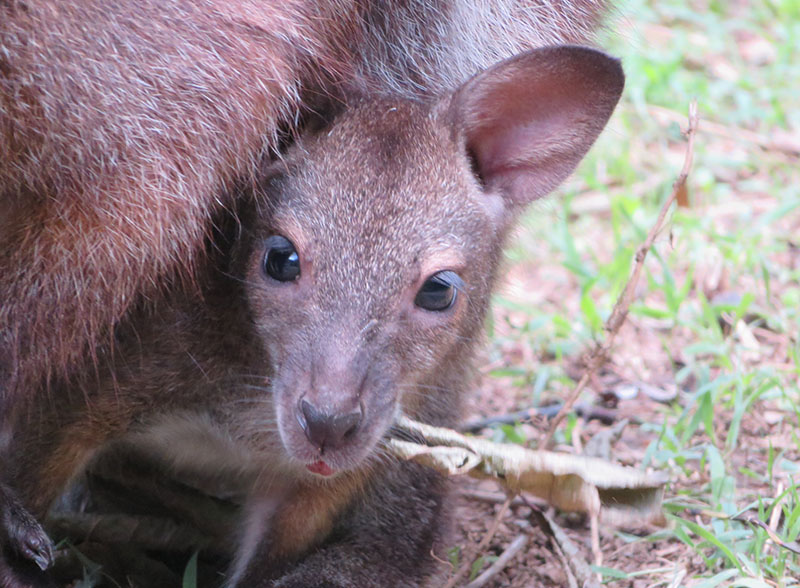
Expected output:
(380, 236)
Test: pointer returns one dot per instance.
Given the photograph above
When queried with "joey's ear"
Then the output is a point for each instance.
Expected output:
(529, 120)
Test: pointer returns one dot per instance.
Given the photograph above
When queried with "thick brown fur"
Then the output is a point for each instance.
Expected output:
(125, 125)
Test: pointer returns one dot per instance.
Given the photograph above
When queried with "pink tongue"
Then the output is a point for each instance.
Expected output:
(320, 467)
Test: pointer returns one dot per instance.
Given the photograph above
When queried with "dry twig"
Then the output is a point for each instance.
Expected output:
(779, 142)
(605, 415)
(599, 354)
(780, 498)
(678, 579)
(597, 553)
(578, 571)
(493, 497)
(498, 566)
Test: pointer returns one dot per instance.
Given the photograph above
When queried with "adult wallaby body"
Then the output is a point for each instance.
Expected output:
(357, 289)
(125, 125)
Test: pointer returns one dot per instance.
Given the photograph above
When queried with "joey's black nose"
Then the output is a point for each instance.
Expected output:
(328, 430)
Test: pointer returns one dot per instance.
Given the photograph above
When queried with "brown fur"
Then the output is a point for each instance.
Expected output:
(123, 125)
(210, 379)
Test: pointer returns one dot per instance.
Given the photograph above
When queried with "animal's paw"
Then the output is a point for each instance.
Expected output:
(21, 535)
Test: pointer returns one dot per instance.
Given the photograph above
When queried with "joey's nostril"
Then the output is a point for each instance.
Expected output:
(328, 430)
(312, 417)
(349, 423)
(351, 431)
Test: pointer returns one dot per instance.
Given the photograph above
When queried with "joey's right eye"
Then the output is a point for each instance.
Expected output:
(439, 291)
(281, 261)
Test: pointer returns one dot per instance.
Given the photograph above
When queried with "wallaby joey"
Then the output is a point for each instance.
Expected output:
(357, 289)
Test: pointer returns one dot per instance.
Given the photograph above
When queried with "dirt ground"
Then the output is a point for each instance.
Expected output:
(621, 391)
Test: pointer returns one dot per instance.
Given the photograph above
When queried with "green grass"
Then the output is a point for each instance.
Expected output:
(717, 313)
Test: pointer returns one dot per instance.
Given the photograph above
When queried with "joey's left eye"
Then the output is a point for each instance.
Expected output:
(281, 261)
(439, 292)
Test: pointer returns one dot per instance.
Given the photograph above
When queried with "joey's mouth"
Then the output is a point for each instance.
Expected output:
(320, 468)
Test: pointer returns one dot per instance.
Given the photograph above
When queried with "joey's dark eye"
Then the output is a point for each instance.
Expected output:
(281, 261)
(439, 291)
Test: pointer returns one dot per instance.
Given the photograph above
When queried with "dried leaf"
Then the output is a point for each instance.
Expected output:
(682, 197)
(569, 482)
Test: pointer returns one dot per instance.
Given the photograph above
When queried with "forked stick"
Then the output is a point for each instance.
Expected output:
(599, 354)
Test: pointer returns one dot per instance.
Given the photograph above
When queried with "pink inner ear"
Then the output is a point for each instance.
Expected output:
(528, 121)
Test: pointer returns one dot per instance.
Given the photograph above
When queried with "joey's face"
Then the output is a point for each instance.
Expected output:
(379, 240)
(369, 280)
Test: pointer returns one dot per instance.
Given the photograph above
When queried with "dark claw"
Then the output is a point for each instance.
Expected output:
(21, 533)
(38, 549)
